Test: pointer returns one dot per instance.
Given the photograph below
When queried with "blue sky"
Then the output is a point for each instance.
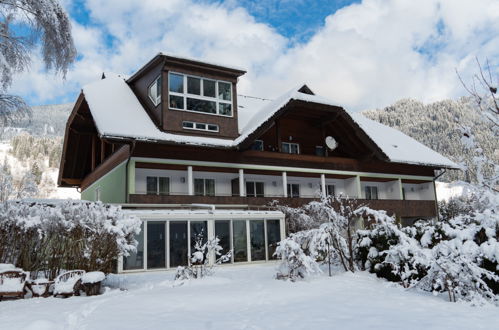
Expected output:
(361, 54)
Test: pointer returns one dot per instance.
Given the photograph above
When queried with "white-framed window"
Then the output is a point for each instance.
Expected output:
(290, 148)
(371, 192)
(200, 126)
(293, 190)
(204, 187)
(157, 185)
(154, 91)
(330, 190)
(257, 145)
(198, 94)
(254, 189)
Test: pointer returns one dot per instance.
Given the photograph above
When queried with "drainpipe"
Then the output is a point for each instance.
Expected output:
(132, 148)
(435, 192)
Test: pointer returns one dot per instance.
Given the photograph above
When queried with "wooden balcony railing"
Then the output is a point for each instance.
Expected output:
(402, 208)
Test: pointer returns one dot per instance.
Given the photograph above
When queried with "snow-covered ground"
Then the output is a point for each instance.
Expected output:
(247, 297)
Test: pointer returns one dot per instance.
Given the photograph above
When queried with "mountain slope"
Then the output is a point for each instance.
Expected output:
(437, 126)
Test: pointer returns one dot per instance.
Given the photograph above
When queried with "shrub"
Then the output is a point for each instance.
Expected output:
(43, 237)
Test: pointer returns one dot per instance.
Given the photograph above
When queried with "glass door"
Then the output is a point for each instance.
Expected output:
(240, 240)
(222, 231)
(273, 236)
(156, 245)
(178, 243)
(257, 240)
(199, 234)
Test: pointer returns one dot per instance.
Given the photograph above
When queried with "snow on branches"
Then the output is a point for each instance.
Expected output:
(60, 235)
(458, 254)
(199, 265)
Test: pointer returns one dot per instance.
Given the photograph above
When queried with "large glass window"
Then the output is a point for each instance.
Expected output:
(201, 105)
(176, 83)
(154, 91)
(290, 148)
(200, 95)
(239, 241)
(157, 185)
(198, 229)
(204, 187)
(293, 190)
(257, 240)
(224, 91)
(193, 85)
(371, 192)
(136, 259)
(209, 88)
(156, 245)
(273, 236)
(178, 243)
(222, 231)
(254, 189)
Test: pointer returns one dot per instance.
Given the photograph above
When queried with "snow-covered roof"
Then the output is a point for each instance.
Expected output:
(118, 113)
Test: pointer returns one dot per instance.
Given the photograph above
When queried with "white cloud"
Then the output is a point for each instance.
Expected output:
(366, 55)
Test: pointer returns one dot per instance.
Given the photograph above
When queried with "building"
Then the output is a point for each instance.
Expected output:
(177, 145)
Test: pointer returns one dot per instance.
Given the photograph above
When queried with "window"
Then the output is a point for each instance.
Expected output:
(320, 151)
(239, 236)
(155, 91)
(371, 192)
(200, 126)
(97, 194)
(257, 145)
(204, 187)
(293, 190)
(403, 193)
(273, 237)
(135, 260)
(290, 148)
(330, 189)
(199, 95)
(257, 240)
(254, 189)
(157, 185)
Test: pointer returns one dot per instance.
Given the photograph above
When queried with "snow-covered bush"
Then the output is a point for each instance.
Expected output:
(200, 265)
(294, 263)
(389, 251)
(49, 237)
(458, 254)
(327, 229)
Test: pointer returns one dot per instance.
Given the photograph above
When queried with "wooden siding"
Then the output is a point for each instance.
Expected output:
(172, 119)
(165, 151)
(111, 162)
(401, 208)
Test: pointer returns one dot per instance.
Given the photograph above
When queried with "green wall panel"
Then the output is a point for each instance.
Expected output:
(112, 186)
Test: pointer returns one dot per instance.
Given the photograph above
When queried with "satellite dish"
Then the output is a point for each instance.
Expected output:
(331, 143)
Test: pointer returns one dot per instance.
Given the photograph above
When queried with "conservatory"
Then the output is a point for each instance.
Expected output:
(167, 237)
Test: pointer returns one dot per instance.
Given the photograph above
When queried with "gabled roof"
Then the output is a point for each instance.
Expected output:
(118, 114)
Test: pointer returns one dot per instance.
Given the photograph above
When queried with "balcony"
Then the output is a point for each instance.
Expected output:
(402, 208)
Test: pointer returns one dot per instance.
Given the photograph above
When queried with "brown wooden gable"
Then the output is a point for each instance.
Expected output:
(308, 124)
(83, 148)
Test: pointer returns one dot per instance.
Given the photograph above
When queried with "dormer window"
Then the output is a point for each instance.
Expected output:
(155, 91)
(197, 94)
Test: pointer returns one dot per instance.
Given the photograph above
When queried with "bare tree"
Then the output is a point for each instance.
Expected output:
(483, 90)
(25, 24)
